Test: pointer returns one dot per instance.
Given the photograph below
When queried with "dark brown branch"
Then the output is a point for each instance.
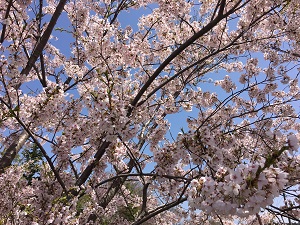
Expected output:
(89, 169)
(69, 79)
(215, 10)
(144, 205)
(259, 219)
(282, 213)
(74, 169)
(202, 60)
(43, 78)
(162, 209)
(115, 187)
(35, 67)
(4, 25)
(44, 39)
(174, 54)
(222, 7)
(116, 13)
(291, 208)
(177, 178)
(287, 52)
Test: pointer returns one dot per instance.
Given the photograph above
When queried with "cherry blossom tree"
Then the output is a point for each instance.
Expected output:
(87, 99)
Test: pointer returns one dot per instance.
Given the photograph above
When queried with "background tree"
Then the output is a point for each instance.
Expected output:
(99, 112)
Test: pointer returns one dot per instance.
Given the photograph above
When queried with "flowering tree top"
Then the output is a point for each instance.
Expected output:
(85, 100)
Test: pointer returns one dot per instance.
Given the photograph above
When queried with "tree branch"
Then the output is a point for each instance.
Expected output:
(89, 169)
(44, 39)
(174, 54)
(4, 25)
(162, 209)
(144, 205)
(31, 135)
(11, 152)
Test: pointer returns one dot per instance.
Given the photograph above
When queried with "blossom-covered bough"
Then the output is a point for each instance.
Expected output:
(86, 98)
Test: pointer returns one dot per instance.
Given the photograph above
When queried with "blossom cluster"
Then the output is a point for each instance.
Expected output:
(238, 192)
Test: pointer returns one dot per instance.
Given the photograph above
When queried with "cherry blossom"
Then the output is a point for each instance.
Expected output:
(95, 96)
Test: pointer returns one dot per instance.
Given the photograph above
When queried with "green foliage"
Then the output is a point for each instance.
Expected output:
(82, 201)
(64, 200)
(135, 188)
(129, 212)
(32, 158)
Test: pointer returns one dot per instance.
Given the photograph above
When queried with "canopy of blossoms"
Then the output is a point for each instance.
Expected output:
(86, 97)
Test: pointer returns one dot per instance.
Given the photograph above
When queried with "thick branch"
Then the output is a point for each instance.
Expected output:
(115, 187)
(177, 178)
(145, 195)
(89, 169)
(162, 209)
(11, 152)
(174, 54)
(45, 37)
(4, 25)
(259, 219)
